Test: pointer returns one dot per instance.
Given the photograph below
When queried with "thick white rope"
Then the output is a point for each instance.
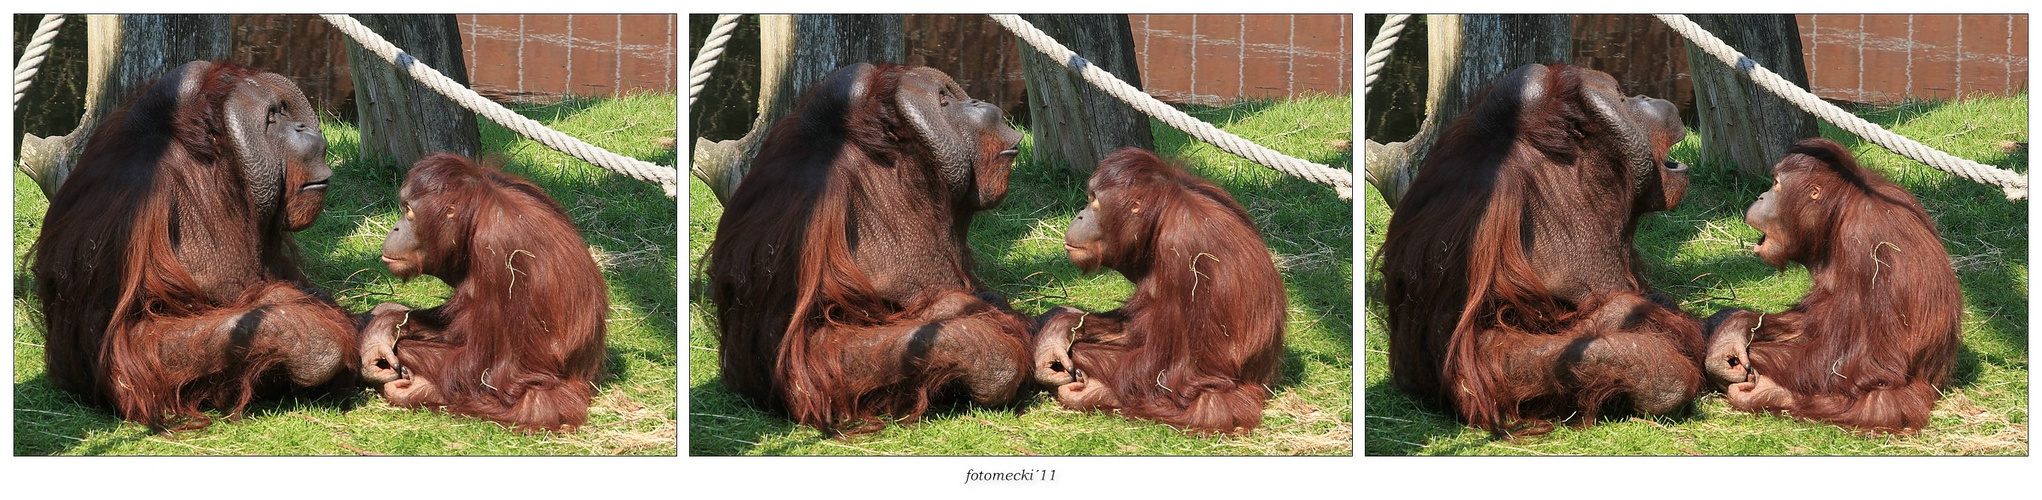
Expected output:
(1379, 50)
(712, 49)
(2015, 184)
(32, 57)
(1342, 181)
(630, 167)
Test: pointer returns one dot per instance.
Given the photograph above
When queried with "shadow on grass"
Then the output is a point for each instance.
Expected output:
(50, 421)
(754, 431)
(1222, 117)
(711, 434)
(559, 111)
(1401, 425)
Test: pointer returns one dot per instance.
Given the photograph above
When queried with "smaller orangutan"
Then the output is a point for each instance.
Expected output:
(1201, 339)
(521, 340)
(1874, 339)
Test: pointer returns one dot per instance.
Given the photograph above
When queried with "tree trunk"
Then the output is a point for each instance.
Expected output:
(1071, 119)
(1464, 53)
(400, 119)
(1739, 122)
(794, 52)
(123, 53)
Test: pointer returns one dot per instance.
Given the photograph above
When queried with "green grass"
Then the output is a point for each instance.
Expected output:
(1020, 252)
(630, 225)
(1699, 254)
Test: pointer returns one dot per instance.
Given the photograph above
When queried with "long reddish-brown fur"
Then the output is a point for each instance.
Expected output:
(1873, 342)
(1465, 299)
(790, 293)
(521, 340)
(114, 289)
(1203, 331)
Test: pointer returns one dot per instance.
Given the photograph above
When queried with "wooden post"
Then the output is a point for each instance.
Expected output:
(400, 119)
(1072, 120)
(1740, 123)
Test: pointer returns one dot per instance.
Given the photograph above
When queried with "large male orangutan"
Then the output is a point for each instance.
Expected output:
(840, 273)
(1512, 287)
(165, 267)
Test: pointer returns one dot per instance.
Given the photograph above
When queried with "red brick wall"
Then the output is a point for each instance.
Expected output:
(546, 56)
(1213, 59)
(523, 57)
(1875, 59)
(1888, 58)
(1194, 59)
